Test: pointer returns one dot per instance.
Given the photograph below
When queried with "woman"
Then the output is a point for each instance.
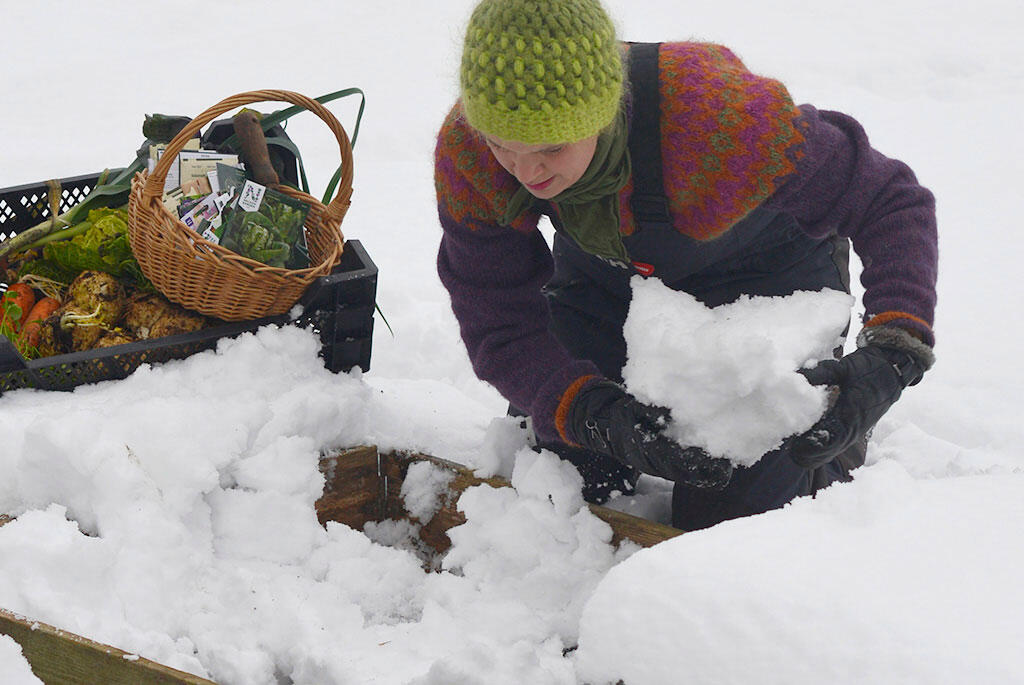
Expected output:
(673, 161)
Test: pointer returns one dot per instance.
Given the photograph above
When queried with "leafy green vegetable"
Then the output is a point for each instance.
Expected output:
(272, 234)
(46, 269)
(254, 235)
(9, 314)
(107, 225)
(274, 254)
(103, 246)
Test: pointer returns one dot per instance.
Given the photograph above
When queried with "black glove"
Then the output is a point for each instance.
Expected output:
(605, 418)
(868, 380)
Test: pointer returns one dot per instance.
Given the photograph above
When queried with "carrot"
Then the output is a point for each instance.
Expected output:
(16, 304)
(34, 322)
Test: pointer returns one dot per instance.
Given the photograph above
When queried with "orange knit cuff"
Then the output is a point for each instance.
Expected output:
(889, 317)
(562, 411)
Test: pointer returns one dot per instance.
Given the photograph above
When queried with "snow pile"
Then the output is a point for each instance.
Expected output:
(521, 570)
(172, 515)
(14, 670)
(888, 581)
(425, 489)
(729, 373)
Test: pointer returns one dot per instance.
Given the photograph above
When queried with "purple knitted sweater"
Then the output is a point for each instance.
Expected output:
(731, 141)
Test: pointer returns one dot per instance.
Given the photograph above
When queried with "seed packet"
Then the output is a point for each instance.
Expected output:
(230, 178)
(266, 225)
(195, 164)
(205, 210)
(196, 188)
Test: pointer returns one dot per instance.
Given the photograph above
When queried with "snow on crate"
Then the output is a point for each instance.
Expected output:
(729, 373)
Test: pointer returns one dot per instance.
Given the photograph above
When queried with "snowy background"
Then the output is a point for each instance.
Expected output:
(171, 514)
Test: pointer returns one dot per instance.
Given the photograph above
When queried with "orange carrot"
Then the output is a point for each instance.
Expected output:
(16, 304)
(33, 323)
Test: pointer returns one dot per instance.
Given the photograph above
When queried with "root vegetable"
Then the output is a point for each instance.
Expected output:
(81, 328)
(97, 295)
(16, 304)
(51, 337)
(111, 338)
(152, 316)
(33, 323)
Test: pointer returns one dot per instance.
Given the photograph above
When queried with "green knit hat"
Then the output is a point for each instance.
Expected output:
(540, 71)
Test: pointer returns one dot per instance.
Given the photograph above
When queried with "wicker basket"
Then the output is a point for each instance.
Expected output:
(210, 279)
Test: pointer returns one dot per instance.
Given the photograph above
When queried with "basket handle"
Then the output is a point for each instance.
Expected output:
(154, 187)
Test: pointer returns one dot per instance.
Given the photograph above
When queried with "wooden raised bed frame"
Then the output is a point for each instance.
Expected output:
(362, 485)
(61, 658)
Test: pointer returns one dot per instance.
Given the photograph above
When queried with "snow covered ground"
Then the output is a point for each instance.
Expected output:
(170, 514)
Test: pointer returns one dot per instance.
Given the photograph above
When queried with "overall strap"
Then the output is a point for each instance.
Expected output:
(649, 203)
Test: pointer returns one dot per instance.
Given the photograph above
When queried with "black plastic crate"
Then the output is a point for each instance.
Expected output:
(339, 307)
(22, 207)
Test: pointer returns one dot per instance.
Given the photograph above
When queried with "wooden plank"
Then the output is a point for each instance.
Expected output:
(628, 527)
(353, 487)
(58, 657)
(395, 465)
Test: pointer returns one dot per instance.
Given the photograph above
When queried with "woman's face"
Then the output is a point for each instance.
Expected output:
(544, 170)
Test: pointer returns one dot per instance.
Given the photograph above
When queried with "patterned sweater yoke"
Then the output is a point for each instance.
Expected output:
(731, 138)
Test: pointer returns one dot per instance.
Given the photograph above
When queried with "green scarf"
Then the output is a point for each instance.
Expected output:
(589, 209)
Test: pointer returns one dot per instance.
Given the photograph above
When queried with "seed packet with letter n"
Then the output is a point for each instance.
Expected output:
(267, 226)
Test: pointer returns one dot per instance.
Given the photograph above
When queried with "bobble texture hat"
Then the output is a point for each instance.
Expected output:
(540, 71)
